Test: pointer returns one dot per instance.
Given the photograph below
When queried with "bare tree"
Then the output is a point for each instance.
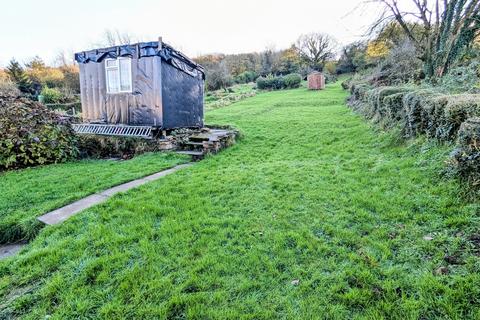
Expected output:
(116, 37)
(63, 58)
(315, 49)
(439, 29)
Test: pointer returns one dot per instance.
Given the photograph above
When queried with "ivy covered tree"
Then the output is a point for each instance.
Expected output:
(17, 74)
(441, 31)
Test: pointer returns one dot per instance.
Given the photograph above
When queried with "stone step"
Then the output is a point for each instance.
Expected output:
(191, 153)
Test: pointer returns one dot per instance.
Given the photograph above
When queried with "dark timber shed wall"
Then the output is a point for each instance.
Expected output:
(143, 106)
(182, 99)
(167, 87)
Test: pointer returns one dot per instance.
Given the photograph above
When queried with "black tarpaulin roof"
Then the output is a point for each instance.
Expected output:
(144, 49)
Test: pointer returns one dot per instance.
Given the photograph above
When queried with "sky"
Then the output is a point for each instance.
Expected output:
(45, 28)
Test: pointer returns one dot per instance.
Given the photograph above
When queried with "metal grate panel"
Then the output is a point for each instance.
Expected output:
(114, 130)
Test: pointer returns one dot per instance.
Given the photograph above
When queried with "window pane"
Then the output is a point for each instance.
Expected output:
(112, 81)
(111, 63)
(125, 75)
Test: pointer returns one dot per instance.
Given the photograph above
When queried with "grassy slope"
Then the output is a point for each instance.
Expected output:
(221, 98)
(26, 194)
(311, 193)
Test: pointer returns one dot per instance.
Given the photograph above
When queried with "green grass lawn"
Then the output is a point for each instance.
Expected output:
(313, 214)
(27, 194)
(222, 98)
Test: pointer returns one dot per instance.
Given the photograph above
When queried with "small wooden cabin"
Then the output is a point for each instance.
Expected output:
(143, 84)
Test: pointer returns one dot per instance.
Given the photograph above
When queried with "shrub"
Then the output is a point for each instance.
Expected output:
(416, 120)
(96, 146)
(394, 108)
(33, 135)
(465, 160)
(330, 77)
(330, 67)
(246, 77)
(8, 89)
(270, 82)
(433, 108)
(379, 112)
(458, 109)
(292, 80)
(346, 84)
(359, 91)
(462, 78)
(52, 95)
(401, 65)
(218, 77)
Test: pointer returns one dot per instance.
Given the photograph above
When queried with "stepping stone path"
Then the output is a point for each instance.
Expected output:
(61, 214)
(10, 249)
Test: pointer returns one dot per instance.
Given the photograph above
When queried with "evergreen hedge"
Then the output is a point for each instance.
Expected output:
(418, 111)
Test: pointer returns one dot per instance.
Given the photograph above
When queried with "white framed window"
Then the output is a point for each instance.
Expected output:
(118, 75)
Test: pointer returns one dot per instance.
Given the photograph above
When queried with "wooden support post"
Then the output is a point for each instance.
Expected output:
(160, 43)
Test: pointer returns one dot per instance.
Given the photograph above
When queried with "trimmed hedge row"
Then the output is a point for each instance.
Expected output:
(466, 156)
(290, 81)
(426, 112)
(416, 111)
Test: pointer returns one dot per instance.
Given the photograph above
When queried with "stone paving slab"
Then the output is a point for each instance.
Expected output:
(10, 249)
(61, 214)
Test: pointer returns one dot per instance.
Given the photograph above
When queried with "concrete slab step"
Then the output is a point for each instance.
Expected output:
(191, 153)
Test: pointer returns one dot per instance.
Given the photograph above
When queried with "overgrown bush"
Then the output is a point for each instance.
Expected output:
(399, 67)
(465, 160)
(32, 135)
(292, 80)
(379, 109)
(393, 104)
(8, 89)
(271, 82)
(99, 147)
(52, 95)
(246, 77)
(218, 77)
(330, 77)
(462, 78)
(416, 121)
(458, 108)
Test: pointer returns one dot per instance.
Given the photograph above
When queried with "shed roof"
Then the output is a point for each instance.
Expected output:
(144, 49)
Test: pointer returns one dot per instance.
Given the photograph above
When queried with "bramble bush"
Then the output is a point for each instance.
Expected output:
(33, 135)
(462, 78)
